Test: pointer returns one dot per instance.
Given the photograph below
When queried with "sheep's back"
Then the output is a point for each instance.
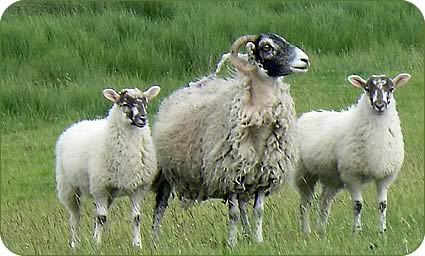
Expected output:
(352, 143)
(317, 135)
(205, 150)
(179, 132)
(73, 150)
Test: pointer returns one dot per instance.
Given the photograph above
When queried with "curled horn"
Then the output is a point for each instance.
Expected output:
(238, 62)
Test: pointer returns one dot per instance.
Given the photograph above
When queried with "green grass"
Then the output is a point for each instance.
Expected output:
(56, 56)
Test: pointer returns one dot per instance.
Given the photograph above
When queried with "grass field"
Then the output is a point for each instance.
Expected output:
(56, 56)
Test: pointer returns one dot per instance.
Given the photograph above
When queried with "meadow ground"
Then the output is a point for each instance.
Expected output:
(56, 56)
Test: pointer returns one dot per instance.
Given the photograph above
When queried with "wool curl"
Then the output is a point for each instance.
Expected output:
(221, 138)
(95, 155)
(344, 144)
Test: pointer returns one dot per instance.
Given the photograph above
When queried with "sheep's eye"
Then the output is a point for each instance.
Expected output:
(126, 107)
(366, 88)
(267, 48)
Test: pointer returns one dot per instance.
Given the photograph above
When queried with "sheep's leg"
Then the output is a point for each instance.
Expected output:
(161, 198)
(326, 199)
(305, 184)
(74, 220)
(135, 199)
(74, 208)
(357, 201)
(71, 200)
(74, 223)
(258, 216)
(244, 217)
(233, 219)
(382, 187)
(100, 213)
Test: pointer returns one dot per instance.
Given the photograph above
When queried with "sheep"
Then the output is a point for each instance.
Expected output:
(230, 139)
(349, 148)
(106, 158)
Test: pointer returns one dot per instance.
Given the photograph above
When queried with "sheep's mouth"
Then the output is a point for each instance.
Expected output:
(299, 68)
(300, 63)
(380, 112)
(139, 124)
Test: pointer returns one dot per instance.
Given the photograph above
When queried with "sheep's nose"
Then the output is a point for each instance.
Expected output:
(143, 118)
(305, 60)
(140, 120)
(380, 105)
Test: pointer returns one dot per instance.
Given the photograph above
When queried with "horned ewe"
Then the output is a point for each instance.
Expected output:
(351, 147)
(231, 138)
(107, 158)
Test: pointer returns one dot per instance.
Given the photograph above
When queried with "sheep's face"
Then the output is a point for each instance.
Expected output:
(379, 89)
(278, 57)
(133, 103)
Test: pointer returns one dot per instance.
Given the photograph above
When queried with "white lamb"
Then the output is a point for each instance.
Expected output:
(107, 158)
(351, 147)
(232, 138)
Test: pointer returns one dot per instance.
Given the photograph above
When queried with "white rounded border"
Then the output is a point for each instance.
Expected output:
(420, 4)
(4, 4)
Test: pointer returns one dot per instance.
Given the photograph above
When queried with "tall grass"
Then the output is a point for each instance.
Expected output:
(56, 56)
(47, 46)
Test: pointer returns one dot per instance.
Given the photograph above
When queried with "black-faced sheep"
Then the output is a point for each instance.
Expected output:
(349, 148)
(233, 138)
(107, 158)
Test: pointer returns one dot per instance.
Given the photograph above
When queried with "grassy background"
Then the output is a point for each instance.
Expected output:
(56, 56)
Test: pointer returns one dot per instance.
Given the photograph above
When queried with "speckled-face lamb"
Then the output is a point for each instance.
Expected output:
(231, 138)
(349, 148)
(106, 158)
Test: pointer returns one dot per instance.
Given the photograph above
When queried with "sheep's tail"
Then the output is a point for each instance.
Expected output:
(158, 181)
(224, 63)
(219, 67)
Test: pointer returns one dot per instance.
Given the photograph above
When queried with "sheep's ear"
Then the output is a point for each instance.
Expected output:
(357, 81)
(152, 92)
(400, 79)
(111, 95)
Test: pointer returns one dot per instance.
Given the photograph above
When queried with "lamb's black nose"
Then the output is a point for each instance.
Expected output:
(380, 105)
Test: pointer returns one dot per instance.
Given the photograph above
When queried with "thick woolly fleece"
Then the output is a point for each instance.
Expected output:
(227, 136)
(337, 146)
(99, 156)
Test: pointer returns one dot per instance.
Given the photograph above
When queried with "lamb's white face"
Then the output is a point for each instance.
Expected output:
(133, 103)
(379, 89)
